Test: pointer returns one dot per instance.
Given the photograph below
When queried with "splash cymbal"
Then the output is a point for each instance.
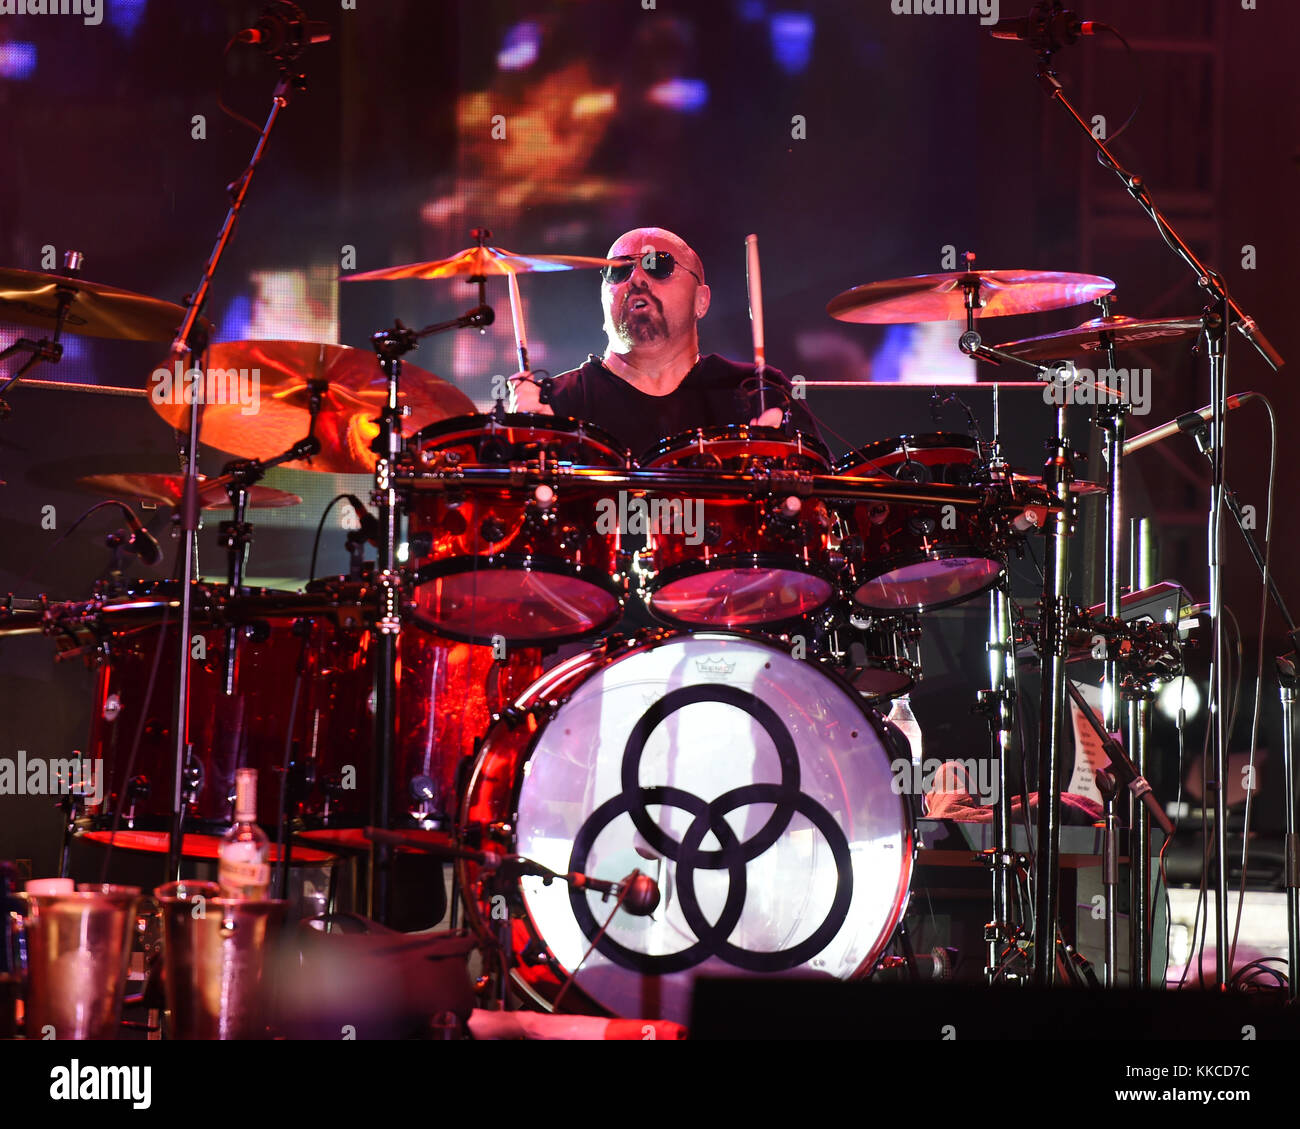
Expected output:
(167, 489)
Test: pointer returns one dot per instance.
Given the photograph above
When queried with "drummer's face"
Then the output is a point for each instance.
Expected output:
(646, 313)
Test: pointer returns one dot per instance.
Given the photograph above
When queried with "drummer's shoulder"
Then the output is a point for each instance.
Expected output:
(724, 368)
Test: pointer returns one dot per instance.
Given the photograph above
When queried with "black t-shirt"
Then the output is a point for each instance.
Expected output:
(715, 392)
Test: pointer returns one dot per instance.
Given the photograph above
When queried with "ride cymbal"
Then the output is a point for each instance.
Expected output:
(942, 297)
(1085, 339)
(31, 298)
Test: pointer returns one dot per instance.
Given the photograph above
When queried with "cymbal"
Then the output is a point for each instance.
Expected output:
(168, 488)
(1128, 333)
(941, 297)
(278, 415)
(30, 298)
(1080, 486)
(477, 262)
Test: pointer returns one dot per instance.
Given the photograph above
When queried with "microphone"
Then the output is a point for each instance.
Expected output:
(1188, 421)
(1046, 30)
(368, 527)
(640, 894)
(284, 32)
(143, 544)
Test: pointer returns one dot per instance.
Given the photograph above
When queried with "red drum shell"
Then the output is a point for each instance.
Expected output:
(909, 557)
(499, 564)
(748, 566)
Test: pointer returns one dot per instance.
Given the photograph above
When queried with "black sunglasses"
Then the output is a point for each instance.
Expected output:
(659, 265)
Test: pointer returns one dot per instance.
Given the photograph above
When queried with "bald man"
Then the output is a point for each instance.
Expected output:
(652, 381)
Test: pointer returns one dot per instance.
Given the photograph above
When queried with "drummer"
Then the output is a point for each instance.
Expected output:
(652, 381)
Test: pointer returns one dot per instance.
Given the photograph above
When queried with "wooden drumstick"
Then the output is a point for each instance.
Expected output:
(517, 315)
(754, 281)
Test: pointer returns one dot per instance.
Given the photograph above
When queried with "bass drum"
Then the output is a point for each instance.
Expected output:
(756, 790)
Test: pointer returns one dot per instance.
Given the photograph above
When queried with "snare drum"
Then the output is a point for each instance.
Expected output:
(736, 562)
(528, 566)
(913, 557)
(754, 788)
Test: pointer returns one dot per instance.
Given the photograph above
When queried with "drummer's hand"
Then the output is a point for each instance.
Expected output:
(773, 417)
(525, 396)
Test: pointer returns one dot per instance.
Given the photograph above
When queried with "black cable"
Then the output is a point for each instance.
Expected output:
(221, 102)
(320, 527)
(69, 531)
(1137, 73)
(1259, 677)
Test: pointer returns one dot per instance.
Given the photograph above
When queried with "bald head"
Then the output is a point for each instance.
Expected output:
(653, 317)
(642, 239)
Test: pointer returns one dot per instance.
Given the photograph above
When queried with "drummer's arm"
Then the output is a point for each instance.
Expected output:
(525, 395)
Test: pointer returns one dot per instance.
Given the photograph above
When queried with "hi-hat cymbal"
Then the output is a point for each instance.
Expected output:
(167, 489)
(476, 262)
(1085, 339)
(942, 297)
(1080, 486)
(31, 298)
(277, 415)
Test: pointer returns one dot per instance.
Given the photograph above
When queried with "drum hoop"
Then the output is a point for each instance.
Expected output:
(925, 441)
(477, 424)
(904, 560)
(801, 442)
(576, 672)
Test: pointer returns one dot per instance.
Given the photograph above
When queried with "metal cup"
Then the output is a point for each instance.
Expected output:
(78, 951)
(216, 954)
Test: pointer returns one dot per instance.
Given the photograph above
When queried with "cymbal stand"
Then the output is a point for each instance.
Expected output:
(997, 705)
(390, 346)
(1053, 621)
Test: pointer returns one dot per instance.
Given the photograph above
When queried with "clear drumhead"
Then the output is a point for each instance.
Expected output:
(741, 597)
(929, 584)
(751, 786)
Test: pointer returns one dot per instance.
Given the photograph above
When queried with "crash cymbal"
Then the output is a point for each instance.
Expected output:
(168, 488)
(941, 297)
(1127, 333)
(478, 262)
(31, 298)
(274, 415)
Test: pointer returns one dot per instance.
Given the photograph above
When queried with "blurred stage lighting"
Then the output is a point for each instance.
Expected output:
(792, 40)
(688, 95)
(17, 60)
(521, 47)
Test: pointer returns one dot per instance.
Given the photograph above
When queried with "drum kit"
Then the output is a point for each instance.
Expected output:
(731, 761)
(735, 752)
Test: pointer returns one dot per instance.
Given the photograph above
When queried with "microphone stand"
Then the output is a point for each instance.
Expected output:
(190, 337)
(1221, 313)
(391, 345)
(1286, 673)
